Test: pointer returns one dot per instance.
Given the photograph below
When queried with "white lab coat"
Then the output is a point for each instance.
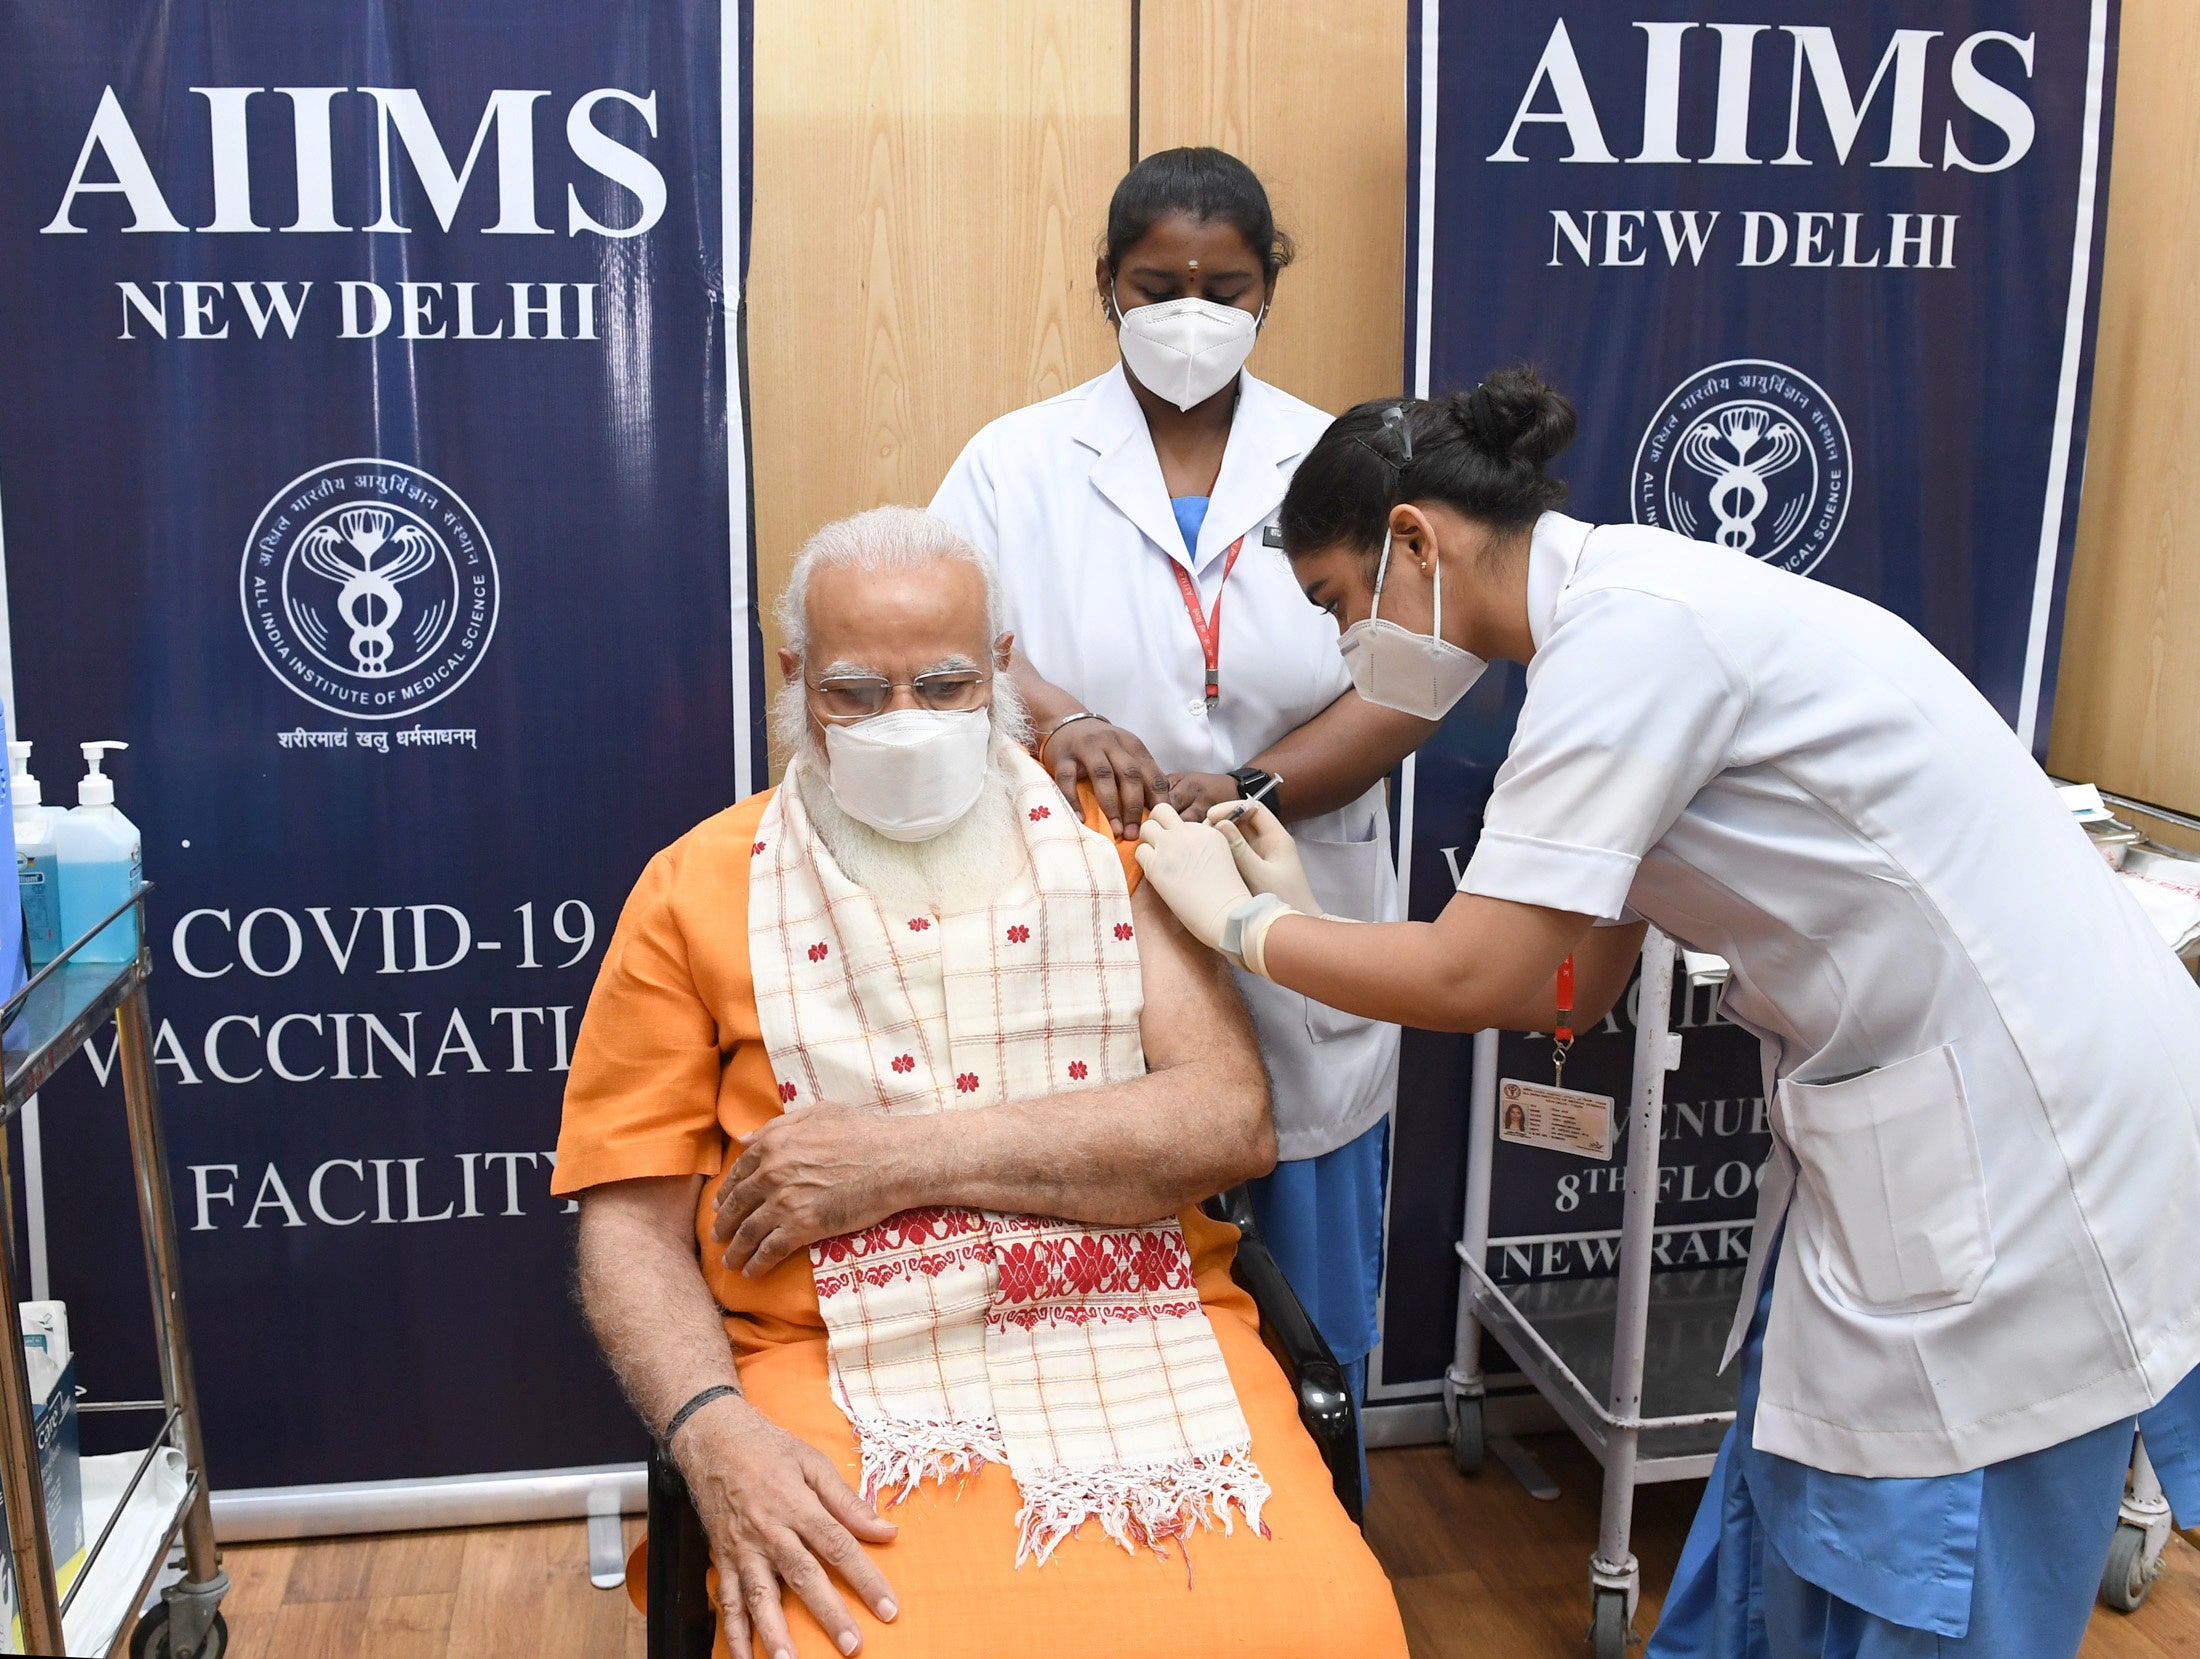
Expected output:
(1983, 1065)
(1067, 497)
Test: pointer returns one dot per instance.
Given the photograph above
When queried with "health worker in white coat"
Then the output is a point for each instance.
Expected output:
(1166, 653)
(1976, 1261)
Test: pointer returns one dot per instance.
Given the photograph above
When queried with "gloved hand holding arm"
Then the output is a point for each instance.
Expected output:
(1191, 867)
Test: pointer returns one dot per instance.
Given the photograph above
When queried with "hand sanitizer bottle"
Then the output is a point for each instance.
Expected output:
(37, 869)
(102, 863)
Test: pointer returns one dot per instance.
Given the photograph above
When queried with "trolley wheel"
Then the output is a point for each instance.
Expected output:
(150, 1639)
(1467, 1445)
(1608, 1632)
(2128, 1577)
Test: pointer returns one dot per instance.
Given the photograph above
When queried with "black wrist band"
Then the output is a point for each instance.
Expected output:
(1252, 781)
(717, 1391)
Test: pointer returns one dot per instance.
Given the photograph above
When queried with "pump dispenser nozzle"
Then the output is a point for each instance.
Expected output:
(96, 788)
(22, 787)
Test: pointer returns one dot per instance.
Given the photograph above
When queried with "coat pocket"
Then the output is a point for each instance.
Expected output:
(1892, 1158)
(1347, 877)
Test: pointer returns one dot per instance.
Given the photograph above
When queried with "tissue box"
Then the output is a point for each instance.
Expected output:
(52, 1370)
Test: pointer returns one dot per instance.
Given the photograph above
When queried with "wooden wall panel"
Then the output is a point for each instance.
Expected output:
(930, 180)
(2127, 707)
(1312, 94)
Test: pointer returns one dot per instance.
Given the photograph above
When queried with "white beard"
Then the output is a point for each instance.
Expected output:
(964, 867)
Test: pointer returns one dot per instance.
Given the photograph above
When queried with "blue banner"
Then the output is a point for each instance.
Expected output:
(1820, 281)
(372, 462)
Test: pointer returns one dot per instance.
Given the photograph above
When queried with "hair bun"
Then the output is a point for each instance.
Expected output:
(1515, 413)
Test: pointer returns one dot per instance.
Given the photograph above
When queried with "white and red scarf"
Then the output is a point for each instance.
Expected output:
(1077, 1355)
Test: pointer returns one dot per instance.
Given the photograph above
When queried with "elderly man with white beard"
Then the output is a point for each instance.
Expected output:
(906, 1054)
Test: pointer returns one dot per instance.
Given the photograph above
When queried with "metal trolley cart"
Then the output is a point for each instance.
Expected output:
(1583, 1344)
(2142, 1533)
(2143, 1522)
(44, 1024)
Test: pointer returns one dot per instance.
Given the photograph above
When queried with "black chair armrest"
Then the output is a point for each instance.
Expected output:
(1325, 1399)
(682, 1622)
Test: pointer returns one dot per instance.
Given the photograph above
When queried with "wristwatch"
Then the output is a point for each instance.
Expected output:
(1252, 783)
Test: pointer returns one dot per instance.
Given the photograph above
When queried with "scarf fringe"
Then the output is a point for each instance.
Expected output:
(900, 1452)
(1152, 1505)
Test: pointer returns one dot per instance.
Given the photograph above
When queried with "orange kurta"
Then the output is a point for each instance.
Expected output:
(669, 1067)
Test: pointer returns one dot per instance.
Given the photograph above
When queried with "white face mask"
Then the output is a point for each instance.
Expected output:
(1187, 350)
(912, 773)
(1396, 668)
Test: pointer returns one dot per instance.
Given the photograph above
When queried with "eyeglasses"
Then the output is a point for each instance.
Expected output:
(860, 696)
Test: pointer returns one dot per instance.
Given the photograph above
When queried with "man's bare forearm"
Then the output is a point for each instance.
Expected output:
(642, 1291)
(1117, 1155)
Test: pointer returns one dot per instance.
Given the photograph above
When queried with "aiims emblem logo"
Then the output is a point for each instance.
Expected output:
(370, 588)
(1750, 455)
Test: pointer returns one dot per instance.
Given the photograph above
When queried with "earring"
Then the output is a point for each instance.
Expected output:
(1195, 267)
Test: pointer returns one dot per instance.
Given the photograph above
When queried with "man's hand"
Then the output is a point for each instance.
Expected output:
(1195, 794)
(811, 1175)
(777, 1512)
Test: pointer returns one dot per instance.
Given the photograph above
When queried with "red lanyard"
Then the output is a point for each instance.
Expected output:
(1209, 628)
(1562, 1030)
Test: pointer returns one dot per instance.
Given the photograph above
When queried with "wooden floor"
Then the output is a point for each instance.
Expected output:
(1482, 1571)
(488, 1593)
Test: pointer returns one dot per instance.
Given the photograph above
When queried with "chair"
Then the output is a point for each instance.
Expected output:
(681, 1618)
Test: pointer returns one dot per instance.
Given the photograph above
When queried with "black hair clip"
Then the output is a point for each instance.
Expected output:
(1395, 419)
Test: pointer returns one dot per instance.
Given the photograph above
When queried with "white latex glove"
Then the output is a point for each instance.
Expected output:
(1267, 858)
(1191, 868)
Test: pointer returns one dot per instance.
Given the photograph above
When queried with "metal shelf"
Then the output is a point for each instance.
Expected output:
(50, 1018)
(58, 1019)
(1631, 1363)
(41, 1027)
(1561, 1332)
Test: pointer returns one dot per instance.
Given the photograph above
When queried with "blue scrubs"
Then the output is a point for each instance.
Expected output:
(1995, 1563)
(1322, 1218)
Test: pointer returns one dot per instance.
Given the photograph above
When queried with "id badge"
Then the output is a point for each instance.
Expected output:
(1561, 1120)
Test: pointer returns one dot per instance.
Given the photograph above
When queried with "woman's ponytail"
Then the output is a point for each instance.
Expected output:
(1481, 452)
(1514, 413)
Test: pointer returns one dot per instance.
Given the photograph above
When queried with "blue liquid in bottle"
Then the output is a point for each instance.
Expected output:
(88, 892)
(102, 863)
(38, 878)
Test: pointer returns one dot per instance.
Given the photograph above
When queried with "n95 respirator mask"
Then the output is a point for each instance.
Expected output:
(910, 774)
(1395, 668)
(1187, 350)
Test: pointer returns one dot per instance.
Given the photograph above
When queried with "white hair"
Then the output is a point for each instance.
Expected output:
(887, 538)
